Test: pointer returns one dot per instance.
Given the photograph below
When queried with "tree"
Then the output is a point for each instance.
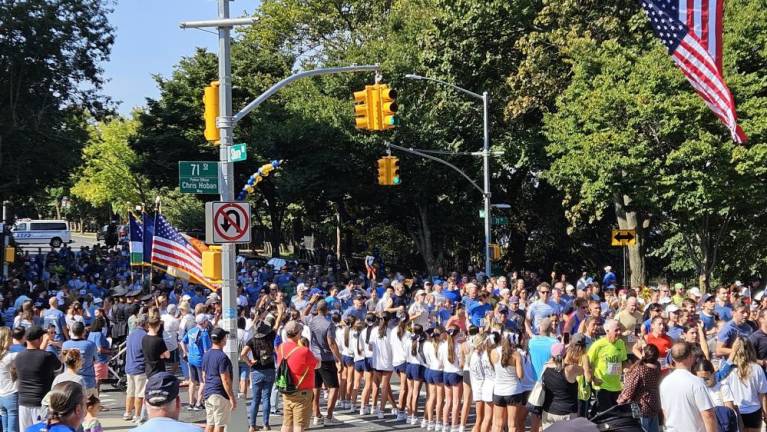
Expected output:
(50, 56)
(109, 174)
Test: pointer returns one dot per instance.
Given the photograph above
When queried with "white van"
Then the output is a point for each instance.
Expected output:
(50, 232)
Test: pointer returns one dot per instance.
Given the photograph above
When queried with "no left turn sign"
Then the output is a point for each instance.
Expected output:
(227, 222)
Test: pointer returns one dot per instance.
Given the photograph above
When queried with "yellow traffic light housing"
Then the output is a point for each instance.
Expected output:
(495, 252)
(383, 171)
(388, 171)
(387, 107)
(363, 112)
(394, 170)
(211, 263)
(210, 103)
(10, 254)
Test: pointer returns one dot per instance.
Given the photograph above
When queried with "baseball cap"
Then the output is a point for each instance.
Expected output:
(292, 327)
(672, 308)
(161, 388)
(557, 349)
(707, 297)
(678, 285)
(35, 332)
(218, 334)
(420, 292)
(201, 318)
(514, 300)
(694, 291)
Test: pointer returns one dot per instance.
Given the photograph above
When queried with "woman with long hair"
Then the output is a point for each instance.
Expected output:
(449, 353)
(467, 349)
(641, 385)
(508, 372)
(97, 336)
(560, 384)
(347, 361)
(9, 395)
(748, 384)
(340, 329)
(382, 367)
(488, 384)
(434, 381)
(526, 384)
(365, 366)
(66, 408)
(26, 317)
(415, 371)
(399, 339)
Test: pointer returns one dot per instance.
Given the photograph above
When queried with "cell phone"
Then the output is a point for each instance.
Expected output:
(566, 338)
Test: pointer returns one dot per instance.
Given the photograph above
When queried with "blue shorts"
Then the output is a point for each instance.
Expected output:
(347, 360)
(195, 374)
(364, 365)
(433, 376)
(452, 379)
(415, 372)
(244, 372)
(400, 368)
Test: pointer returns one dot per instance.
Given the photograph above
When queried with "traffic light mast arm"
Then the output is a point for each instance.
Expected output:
(442, 161)
(324, 71)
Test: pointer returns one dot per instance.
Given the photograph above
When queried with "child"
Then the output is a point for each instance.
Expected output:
(91, 422)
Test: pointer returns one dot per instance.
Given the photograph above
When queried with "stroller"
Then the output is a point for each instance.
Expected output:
(618, 418)
(116, 369)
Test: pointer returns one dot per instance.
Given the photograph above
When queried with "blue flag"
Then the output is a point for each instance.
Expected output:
(148, 237)
(136, 241)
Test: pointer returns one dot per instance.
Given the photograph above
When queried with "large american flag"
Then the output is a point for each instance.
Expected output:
(670, 23)
(171, 249)
(704, 19)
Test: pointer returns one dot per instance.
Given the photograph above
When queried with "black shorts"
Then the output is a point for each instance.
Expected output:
(519, 399)
(753, 420)
(174, 356)
(501, 401)
(326, 374)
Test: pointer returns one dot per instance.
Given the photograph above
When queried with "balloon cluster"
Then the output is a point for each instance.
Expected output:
(257, 177)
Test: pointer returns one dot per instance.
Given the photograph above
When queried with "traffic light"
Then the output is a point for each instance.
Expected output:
(387, 107)
(394, 170)
(363, 112)
(495, 252)
(10, 254)
(211, 263)
(210, 103)
(383, 171)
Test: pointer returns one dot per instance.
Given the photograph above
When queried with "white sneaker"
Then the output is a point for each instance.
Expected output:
(352, 408)
(401, 416)
(460, 428)
(319, 421)
(363, 410)
(429, 426)
(331, 421)
(379, 414)
(437, 427)
(395, 411)
(347, 404)
(423, 423)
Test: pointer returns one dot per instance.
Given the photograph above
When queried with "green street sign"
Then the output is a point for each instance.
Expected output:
(481, 214)
(238, 153)
(198, 177)
(500, 220)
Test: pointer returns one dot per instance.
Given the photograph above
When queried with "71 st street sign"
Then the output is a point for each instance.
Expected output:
(198, 177)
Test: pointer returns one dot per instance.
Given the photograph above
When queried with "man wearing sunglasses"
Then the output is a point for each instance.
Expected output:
(542, 308)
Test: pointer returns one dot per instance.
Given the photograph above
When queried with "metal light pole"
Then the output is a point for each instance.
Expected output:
(485, 157)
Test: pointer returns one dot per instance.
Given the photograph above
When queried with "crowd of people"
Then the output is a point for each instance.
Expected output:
(450, 352)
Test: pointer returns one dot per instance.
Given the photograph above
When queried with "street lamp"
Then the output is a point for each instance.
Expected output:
(485, 155)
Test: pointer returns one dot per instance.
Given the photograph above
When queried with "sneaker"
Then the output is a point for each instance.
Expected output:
(395, 411)
(413, 421)
(127, 416)
(379, 414)
(266, 428)
(348, 404)
(437, 427)
(331, 421)
(429, 426)
(423, 423)
(363, 410)
(401, 416)
(319, 421)
(460, 428)
(352, 408)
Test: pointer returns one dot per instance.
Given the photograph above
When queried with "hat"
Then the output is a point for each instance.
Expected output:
(39, 304)
(655, 288)
(569, 288)
(201, 318)
(420, 292)
(611, 287)
(707, 297)
(514, 300)
(557, 349)
(218, 334)
(119, 291)
(578, 339)
(98, 300)
(672, 308)
(694, 291)
(161, 388)
(83, 292)
(301, 287)
(269, 320)
(186, 297)
(678, 286)
(35, 333)
(214, 297)
(292, 327)
(608, 268)
(171, 309)
(262, 330)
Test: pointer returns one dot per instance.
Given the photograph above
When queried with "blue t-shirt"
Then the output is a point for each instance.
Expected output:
(709, 321)
(724, 312)
(452, 296)
(17, 348)
(55, 318)
(214, 363)
(39, 427)
(88, 353)
(197, 343)
(674, 332)
(134, 355)
(101, 341)
(540, 352)
(356, 313)
(539, 310)
(477, 311)
(730, 331)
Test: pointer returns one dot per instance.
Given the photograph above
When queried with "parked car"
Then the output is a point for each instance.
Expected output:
(51, 232)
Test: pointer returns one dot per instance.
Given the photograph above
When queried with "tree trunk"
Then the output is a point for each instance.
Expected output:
(628, 218)
(423, 241)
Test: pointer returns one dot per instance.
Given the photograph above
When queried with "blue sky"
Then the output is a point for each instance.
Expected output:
(148, 41)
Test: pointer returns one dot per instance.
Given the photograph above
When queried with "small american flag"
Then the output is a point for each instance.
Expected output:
(171, 249)
(694, 60)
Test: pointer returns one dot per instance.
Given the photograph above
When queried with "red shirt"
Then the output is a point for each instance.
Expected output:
(663, 343)
(301, 363)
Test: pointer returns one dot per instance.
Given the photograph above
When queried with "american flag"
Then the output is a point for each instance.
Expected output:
(695, 61)
(704, 19)
(171, 249)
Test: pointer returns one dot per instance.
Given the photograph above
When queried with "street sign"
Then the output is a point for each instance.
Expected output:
(227, 222)
(238, 153)
(627, 237)
(198, 177)
(500, 220)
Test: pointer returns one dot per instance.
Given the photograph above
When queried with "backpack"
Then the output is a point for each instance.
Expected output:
(284, 380)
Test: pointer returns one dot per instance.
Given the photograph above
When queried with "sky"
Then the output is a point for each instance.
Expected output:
(149, 41)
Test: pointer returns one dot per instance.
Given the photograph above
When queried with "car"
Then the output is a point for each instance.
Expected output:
(35, 231)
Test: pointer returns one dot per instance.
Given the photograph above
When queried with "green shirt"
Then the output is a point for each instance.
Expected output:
(607, 360)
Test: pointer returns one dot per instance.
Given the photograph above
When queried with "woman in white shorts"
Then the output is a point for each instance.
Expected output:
(488, 385)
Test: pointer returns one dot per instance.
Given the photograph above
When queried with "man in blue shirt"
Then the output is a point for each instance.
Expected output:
(609, 278)
(88, 352)
(54, 317)
(163, 406)
(357, 310)
(540, 309)
(723, 307)
(478, 310)
(135, 370)
(217, 378)
(194, 345)
(737, 327)
(540, 345)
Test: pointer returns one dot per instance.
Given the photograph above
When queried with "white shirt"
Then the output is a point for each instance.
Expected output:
(416, 359)
(720, 394)
(433, 362)
(746, 393)
(455, 365)
(683, 396)
(382, 351)
(7, 387)
(399, 347)
(423, 318)
(170, 327)
(356, 345)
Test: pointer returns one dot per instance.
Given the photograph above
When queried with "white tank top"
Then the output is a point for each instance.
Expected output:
(487, 367)
(399, 347)
(382, 353)
(476, 374)
(506, 379)
(353, 339)
(433, 362)
(447, 366)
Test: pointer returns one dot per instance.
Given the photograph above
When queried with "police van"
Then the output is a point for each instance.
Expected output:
(50, 232)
